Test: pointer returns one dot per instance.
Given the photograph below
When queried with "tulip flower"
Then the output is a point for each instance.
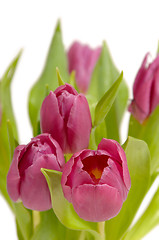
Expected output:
(25, 180)
(97, 182)
(145, 90)
(82, 59)
(66, 116)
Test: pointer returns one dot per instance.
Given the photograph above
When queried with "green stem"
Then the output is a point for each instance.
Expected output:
(82, 235)
(36, 219)
(101, 230)
(92, 141)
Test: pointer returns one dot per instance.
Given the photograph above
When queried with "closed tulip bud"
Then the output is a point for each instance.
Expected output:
(97, 182)
(145, 90)
(66, 116)
(25, 180)
(82, 59)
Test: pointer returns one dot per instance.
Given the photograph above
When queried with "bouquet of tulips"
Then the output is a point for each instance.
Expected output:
(74, 180)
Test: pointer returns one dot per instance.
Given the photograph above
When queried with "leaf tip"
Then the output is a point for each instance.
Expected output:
(60, 80)
(58, 26)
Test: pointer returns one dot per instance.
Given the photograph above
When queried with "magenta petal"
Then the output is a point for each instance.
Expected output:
(141, 74)
(64, 180)
(96, 203)
(73, 175)
(110, 147)
(79, 124)
(111, 175)
(55, 147)
(137, 112)
(82, 59)
(51, 120)
(34, 189)
(67, 87)
(114, 149)
(13, 177)
(155, 85)
(145, 90)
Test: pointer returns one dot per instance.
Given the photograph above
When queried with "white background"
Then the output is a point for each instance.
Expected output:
(131, 28)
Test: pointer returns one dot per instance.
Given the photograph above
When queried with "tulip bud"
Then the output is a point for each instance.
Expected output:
(82, 59)
(97, 182)
(66, 116)
(25, 180)
(145, 90)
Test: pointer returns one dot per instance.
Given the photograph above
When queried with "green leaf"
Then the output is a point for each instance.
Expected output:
(7, 114)
(56, 58)
(105, 103)
(19, 234)
(138, 158)
(100, 132)
(62, 208)
(24, 221)
(149, 132)
(147, 221)
(60, 80)
(104, 75)
(72, 80)
(50, 228)
(12, 141)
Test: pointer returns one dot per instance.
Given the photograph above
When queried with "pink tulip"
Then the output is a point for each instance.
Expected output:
(97, 182)
(66, 116)
(82, 59)
(145, 90)
(25, 180)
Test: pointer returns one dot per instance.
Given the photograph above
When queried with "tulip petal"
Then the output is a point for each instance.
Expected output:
(154, 101)
(96, 203)
(112, 176)
(73, 175)
(51, 119)
(34, 190)
(79, 124)
(145, 90)
(141, 74)
(54, 146)
(67, 87)
(13, 177)
(82, 59)
(114, 149)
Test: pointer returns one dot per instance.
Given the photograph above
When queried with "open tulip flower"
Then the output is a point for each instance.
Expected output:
(97, 182)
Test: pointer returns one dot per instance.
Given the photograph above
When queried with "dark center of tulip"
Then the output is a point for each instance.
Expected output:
(95, 165)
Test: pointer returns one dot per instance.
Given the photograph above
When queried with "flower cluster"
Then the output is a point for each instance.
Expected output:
(74, 166)
(96, 182)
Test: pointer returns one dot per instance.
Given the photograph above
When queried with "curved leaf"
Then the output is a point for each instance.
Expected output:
(149, 132)
(104, 75)
(56, 58)
(147, 221)
(105, 103)
(7, 114)
(138, 158)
